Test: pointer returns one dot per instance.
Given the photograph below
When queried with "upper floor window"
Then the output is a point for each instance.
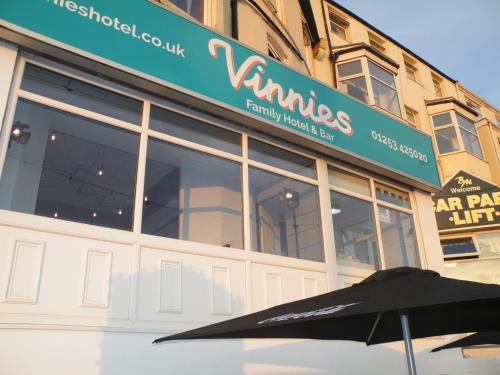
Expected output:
(274, 51)
(436, 82)
(385, 94)
(376, 42)
(308, 53)
(411, 116)
(474, 106)
(373, 223)
(195, 8)
(411, 69)
(338, 25)
(455, 132)
(379, 89)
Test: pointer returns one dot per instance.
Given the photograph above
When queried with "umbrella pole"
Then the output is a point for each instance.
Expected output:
(412, 369)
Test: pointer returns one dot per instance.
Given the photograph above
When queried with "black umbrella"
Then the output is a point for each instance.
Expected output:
(481, 338)
(385, 307)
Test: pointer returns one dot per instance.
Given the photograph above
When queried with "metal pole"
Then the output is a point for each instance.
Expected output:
(405, 326)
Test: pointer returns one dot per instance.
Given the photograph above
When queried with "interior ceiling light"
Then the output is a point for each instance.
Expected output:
(19, 133)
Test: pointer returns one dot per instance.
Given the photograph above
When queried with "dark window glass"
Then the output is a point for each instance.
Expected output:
(458, 247)
(354, 228)
(398, 238)
(279, 158)
(285, 218)
(192, 130)
(350, 68)
(442, 119)
(72, 91)
(68, 167)
(192, 7)
(192, 196)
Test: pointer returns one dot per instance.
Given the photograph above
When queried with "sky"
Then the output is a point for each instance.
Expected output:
(459, 37)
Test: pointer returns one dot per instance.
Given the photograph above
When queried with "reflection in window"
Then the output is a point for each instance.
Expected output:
(192, 130)
(348, 181)
(447, 140)
(81, 94)
(279, 158)
(192, 7)
(69, 167)
(458, 247)
(384, 89)
(355, 87)
(192, 196)
(354, 231)
(352, 81)
(391, 195)
(469, 136)
(285, 216)
(398, 238)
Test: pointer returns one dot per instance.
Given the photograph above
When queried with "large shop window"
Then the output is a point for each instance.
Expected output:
(73, 154)
(373, 223)
(369, 83)
(455, 132)
(68, 166)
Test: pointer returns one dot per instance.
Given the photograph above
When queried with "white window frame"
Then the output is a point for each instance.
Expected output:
(375, 205)
(414, 113)
(369, 87)
(437, 82)
(340, 22)
(135, 235)
(208, 16)
(454, 124)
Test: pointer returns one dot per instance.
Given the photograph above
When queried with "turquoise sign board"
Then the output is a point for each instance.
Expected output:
(156, 43)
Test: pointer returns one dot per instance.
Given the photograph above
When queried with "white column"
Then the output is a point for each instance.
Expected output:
(429, 235)
(8, 56)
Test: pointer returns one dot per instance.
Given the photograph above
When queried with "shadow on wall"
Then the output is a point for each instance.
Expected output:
(133, 353)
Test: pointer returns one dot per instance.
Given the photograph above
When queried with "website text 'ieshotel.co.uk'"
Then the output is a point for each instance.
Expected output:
(114, 23)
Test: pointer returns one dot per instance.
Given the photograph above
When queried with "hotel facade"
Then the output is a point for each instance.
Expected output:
(170, 164)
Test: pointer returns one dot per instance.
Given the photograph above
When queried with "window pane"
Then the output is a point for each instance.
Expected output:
(471, 143)
(350, 68)
(285, 216)
(447, 140)
(338, 30)
(386, 97)
(349, 181)
(398, 238)
(355, 87)
(354, 229)
(411, 118)
(72, 91)
(458, 246)
(411, 72)
(192, 7)
(192, 196)
(483, 271)
(279, 158)
(180, 126)
(466, 124)
(489, 244)
(381, 74)
(391, 195)
(68, 167)
(442, 119)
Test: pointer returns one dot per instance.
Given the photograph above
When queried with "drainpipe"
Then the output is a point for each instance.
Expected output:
(234, 19)
(331, 56)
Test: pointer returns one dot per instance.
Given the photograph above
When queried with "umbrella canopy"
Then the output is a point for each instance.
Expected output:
(481, 338)
(370, 311)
